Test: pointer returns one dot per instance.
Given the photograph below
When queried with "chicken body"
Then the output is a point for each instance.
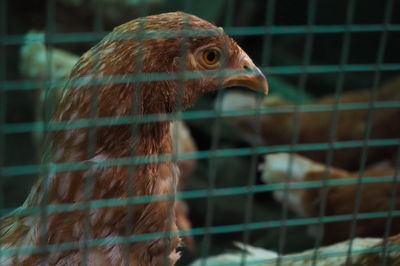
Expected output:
(120, 55)
(316, 127)
(340, 199)
(34, 66)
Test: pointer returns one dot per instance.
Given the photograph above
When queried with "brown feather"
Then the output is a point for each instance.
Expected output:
(340, 200)
(316, 127)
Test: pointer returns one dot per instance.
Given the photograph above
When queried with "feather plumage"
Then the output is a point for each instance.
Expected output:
(121, 57)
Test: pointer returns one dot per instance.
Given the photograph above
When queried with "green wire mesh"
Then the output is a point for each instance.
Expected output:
(304, 71)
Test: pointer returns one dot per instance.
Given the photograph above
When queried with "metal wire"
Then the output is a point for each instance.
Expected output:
(212, 170)
(91, 147)
(266, 58)
(10, 85)
(212, 193)
(184, 50)
(135, 132)
(369, 123)
(234, 152)
(188, 115)
(309, 42)
(392, 205)
(57, 208)
(46, 116)
(234, 31)
(333, 128)
(3, 97)
(201, 231)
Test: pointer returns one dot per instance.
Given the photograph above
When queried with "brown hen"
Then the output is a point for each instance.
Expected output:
(118, 55)
(340, 199)
(316, 127)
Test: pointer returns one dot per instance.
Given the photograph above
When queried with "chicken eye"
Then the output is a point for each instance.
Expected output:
(211, 57)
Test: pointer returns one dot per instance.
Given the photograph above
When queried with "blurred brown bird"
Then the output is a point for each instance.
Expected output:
(340, 200)
(316, 127)
(119, 57)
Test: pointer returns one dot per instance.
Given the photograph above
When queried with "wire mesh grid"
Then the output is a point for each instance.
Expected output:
(208, 231)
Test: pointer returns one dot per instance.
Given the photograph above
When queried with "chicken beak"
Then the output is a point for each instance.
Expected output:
(255, 80)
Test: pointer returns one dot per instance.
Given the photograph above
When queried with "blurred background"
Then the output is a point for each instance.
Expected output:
(281, 57)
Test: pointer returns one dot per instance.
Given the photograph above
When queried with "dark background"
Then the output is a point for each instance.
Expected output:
(284, 50)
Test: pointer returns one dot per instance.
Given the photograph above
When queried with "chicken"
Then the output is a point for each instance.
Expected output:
(391, 257)
(340, 199)
(34, 66)
(120, 55)
(315, 127)
(334, 255)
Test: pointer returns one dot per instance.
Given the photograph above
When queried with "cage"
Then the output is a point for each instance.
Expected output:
(305, 175)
